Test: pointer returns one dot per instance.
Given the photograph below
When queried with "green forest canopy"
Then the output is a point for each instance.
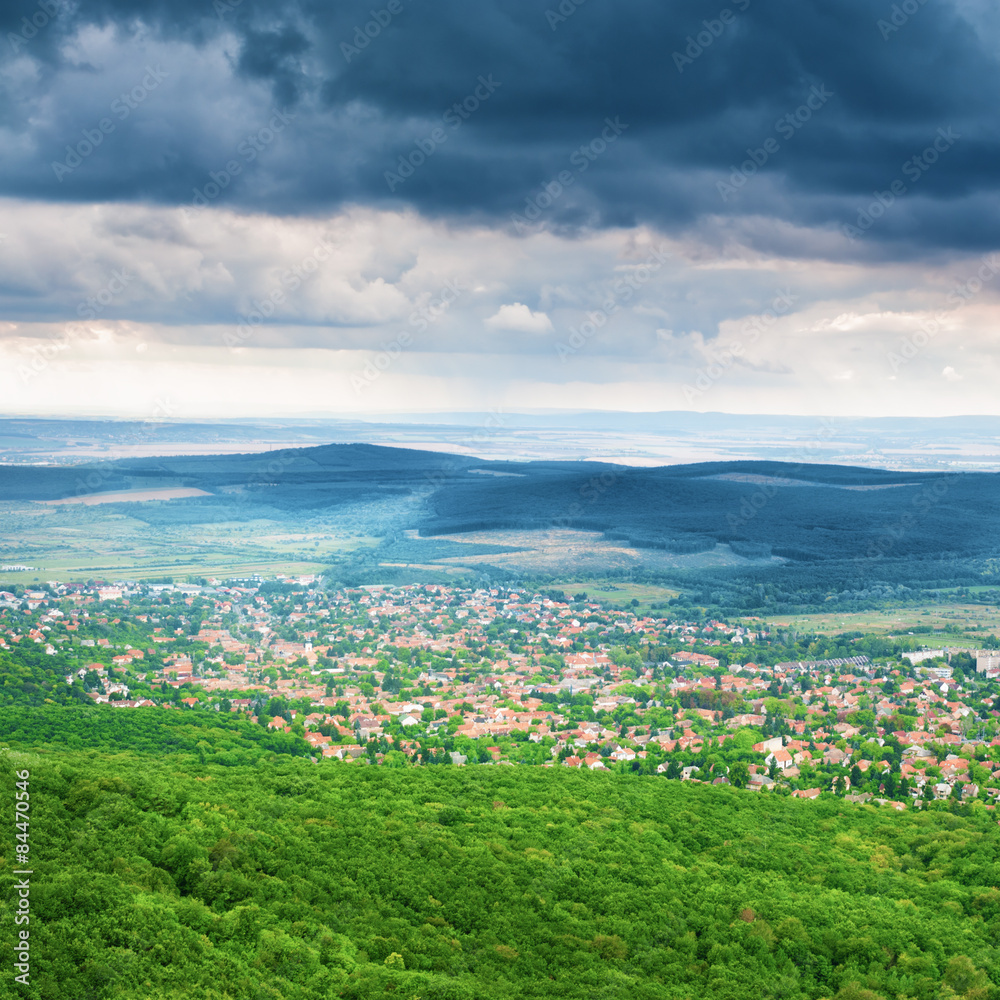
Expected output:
(163, 877)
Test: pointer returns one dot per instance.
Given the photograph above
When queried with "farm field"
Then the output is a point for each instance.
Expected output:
(130, 496)
(615, 592)
(78, 542)
(585, 553)
(969, 624)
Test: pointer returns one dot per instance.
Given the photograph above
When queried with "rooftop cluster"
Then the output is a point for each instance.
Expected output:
(423, 675)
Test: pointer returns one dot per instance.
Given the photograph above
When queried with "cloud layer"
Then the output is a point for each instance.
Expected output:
(267, 207)
(370, 310)
(789, 111)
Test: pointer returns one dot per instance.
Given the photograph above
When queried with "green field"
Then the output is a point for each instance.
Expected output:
(77, 542)
(615, 592)
(959, 625)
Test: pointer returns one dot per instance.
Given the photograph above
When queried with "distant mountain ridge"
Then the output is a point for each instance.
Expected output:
(773, 533)
(701, 504)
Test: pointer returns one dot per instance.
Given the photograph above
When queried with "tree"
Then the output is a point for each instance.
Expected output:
(739, 774)
(965, 979)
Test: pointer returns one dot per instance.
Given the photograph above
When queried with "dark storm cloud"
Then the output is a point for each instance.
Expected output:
(803, 112)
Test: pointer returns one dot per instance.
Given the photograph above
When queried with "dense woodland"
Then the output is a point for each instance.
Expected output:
(164, 877)
(816, 536)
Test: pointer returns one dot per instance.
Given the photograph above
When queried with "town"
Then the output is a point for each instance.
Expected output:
(430, 674)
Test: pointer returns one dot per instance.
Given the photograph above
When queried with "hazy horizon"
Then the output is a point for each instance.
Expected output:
(634, 439)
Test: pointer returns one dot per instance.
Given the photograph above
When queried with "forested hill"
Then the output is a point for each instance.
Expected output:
(164, 878)
(795, 511)
(833, 513)
(318, 469)
(813, 532)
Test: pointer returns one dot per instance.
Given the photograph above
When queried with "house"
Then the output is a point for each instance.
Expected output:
(806, 793)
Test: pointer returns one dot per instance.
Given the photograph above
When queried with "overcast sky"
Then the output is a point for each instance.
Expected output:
(239, 208)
